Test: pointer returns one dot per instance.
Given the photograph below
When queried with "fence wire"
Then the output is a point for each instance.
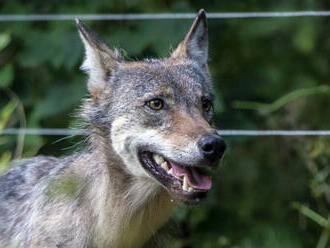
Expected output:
(122, 17)
(75, 132)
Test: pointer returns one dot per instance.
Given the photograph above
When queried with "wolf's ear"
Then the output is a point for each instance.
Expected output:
(195, 43)
(100, 61)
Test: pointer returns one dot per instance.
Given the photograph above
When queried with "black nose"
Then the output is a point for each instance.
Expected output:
(212, 147)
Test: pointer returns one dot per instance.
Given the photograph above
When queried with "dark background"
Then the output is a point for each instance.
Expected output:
(270, 191)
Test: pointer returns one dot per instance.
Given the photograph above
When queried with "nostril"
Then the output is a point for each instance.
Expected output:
(212, 147)
(208, 148)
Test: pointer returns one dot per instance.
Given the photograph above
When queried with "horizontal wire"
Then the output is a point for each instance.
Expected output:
(274, 132)
(74, 132)
(43, 131)
(118, 17)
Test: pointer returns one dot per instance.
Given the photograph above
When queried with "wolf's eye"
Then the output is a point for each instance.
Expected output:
(206, 104)
(156, 104)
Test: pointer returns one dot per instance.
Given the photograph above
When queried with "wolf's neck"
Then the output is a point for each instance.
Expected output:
(127, 210)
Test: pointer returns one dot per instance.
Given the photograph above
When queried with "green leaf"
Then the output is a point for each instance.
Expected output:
(304, 39)
(4, 161)
(271, 107)
(6, 76)
(6, 113)
(4, 40)
(61, 98)
(311, 214)
(60, 48)
(4, 140)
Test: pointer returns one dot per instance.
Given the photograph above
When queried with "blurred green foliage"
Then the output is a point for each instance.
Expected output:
(270, 73)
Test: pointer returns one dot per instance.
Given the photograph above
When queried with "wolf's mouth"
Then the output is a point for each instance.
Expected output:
(188, 183)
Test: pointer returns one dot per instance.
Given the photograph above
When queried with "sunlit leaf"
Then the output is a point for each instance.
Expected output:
(311, 214)
(4, 40)
(6, 112)
(6, 76)
(4, 161)
(271, 107)
(304, 39)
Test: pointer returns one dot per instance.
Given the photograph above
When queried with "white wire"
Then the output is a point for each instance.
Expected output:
(43, 131)
(73, 132)
(64, 17)
(274, 132)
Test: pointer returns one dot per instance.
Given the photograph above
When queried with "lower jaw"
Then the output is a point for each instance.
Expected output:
(191, 199)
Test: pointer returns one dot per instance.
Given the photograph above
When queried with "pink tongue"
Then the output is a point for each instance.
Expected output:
(196, 179)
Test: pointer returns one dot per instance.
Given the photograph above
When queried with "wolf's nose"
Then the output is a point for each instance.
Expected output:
(212, 147)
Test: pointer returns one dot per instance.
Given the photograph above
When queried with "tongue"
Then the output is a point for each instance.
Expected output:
(196, 179)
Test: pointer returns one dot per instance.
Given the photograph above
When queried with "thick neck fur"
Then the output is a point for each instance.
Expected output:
(126, 210)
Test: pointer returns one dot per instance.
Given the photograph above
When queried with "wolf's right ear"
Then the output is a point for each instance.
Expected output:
(100, 61)
(195, 43)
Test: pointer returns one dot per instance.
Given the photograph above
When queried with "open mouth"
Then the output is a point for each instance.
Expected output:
(188, 183)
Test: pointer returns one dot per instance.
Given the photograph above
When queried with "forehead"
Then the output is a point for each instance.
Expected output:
(164, 77)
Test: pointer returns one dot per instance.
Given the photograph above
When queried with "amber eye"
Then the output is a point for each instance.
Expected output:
(207, 104)
(156, 104)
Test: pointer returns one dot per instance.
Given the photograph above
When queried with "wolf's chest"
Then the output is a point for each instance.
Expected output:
(145, 223)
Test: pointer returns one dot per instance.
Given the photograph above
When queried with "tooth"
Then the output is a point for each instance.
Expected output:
(164, 166)
(170, 171)
(190, 189)
(185, 184)
(158, 159)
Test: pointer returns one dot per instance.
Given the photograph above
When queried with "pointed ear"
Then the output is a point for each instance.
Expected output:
(195, 43)
(100, 61)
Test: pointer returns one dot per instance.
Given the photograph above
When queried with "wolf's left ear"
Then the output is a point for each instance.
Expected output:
(195, 43)
(100, 61)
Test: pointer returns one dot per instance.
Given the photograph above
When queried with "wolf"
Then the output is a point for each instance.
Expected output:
(150, 135)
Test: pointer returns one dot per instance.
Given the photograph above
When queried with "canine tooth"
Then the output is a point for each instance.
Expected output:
(170, 171)
(158, 159)
(190, 189)
(185, 184)
(164, 166)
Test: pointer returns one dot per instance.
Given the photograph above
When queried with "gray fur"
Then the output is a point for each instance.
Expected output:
(102, 197)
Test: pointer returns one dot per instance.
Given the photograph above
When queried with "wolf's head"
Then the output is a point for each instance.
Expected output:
(157, 113)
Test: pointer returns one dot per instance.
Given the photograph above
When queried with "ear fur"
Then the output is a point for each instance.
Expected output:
(100, 60)
(195, 42)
